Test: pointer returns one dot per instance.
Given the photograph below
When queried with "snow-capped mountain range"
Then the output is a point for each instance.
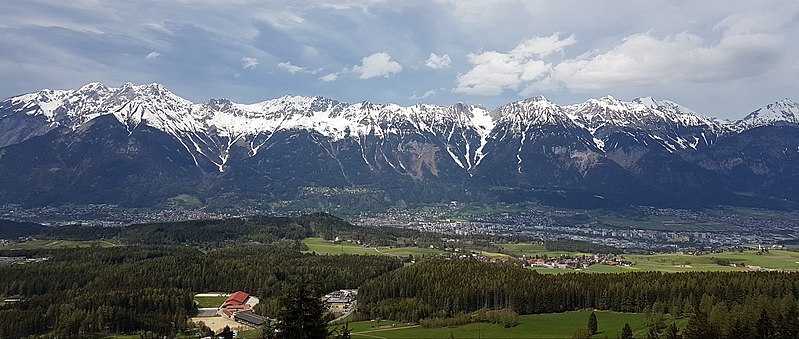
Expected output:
(194, 123)
(418, 142)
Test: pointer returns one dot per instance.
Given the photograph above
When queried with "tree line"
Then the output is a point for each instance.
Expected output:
(725, 303)
(149, 288)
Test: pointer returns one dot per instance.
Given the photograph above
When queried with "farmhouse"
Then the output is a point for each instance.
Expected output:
(237, 302)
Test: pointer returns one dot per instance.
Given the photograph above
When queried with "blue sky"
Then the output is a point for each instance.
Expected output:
(721, 58)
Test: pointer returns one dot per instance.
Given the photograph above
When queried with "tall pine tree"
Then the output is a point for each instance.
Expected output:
(626, 332)
(592, 324)
(302, 314)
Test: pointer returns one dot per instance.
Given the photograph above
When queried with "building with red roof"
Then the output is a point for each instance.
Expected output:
(237, 298)
(237, 302)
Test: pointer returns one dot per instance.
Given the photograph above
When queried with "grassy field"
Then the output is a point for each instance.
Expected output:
(532, 250)
(209, 302)
(321, 246)
(39, 244)
(560, 325)
(776, 260)
(495, 255)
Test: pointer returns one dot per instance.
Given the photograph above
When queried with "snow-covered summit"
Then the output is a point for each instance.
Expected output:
(535, 111)
(212, 128)
(783, 111)
(644, 113)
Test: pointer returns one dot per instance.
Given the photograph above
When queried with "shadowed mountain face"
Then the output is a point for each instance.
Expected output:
(141, 145)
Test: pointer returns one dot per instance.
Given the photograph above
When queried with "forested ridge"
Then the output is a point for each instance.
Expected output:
(147, 285)
(131, 288)
(727, 302)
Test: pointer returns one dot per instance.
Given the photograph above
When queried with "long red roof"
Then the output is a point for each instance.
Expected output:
(237, 298)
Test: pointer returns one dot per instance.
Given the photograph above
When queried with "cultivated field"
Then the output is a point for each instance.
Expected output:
(321, 246)
(560, 325)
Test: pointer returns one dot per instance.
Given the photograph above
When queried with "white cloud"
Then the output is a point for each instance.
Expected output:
(377, 65)
(438, 62)
(426, 94)
(282, 19)
(153, 55)
(493, 72)
(249, 63)
(330, 77)
(645, 60)
(291, 68)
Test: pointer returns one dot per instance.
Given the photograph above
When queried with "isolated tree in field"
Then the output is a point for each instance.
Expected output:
(302, 314)
(592, 325)
(626, 332)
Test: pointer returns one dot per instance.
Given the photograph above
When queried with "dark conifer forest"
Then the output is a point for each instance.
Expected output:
(147, 284)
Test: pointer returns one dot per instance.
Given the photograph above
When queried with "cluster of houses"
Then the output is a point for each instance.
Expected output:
(340, 301)
(239, 307)
(20, 260)
(578, 262)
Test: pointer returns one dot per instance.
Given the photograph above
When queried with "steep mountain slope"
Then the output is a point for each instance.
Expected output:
(141, 144)
(780, 112)
(99, 162)
(762, 161)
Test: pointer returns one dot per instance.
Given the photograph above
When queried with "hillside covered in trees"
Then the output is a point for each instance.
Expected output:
(720, 304)
(147, 284)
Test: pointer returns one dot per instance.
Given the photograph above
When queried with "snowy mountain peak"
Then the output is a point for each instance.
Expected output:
(647, 101)
(531, 111)
(782, 111)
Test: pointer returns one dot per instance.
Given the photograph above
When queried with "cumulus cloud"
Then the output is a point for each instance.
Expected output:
(152, 55)
(493, 72)
(329, 77)
(249, 63)
(293, 69)
(643, 59)
(438, 62)
(640, 59)
(288, 67)
(377, 65)
(426, 94)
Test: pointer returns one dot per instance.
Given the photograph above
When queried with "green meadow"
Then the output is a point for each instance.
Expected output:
(558, 325)
(209, 302)
(322, 246)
